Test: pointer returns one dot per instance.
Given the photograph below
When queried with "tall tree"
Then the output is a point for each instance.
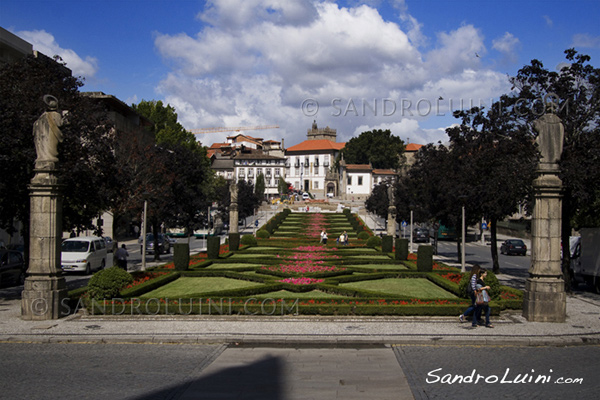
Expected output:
(378, 147)
(573, 93)
(167, 131)
(259, 188)
(86, 161)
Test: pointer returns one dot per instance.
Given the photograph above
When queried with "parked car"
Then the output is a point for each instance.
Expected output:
(305, 196)
(513, 246)
(111, 245)
(12, 268)
(164, 245)
(420, 235)
(330, 195)
(84, 254)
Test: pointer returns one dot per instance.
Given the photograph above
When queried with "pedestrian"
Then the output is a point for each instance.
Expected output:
(324, 236)
(122, 255)
(482, 300)
(471, 291)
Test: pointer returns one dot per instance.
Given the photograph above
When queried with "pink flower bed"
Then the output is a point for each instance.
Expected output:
(301, 281)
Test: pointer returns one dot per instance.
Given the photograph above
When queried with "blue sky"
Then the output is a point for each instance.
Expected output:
(367, 64)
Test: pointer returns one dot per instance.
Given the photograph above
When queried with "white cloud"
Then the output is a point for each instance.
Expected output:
(256, 61)
(508, 44)
(45, 43)
(586, 40)
(548, 20)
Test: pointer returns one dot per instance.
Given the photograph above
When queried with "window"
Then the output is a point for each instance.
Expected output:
(316, 184)
(349, 180)
(276, 171)
(360, 181)
(316, 170)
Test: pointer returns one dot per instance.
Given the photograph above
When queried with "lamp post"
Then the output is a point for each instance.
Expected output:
(145, 196)
(462, 255)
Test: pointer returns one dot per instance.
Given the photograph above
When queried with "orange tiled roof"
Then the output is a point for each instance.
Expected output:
(358, 167)
(413, 147)
(321, 144)
(384, 172)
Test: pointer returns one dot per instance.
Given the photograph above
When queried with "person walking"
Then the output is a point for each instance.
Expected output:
(471, 291)
(483, 306)
(121, 254)
(324, 236)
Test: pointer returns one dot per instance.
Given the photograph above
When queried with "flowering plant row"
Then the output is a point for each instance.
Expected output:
(301, 281)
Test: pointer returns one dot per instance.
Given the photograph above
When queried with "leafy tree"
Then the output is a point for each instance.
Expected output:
(86, 161)
(283, 186)
(378, 202)
(167, 131)
(259, 188)
(498, 159)
(247, 199)
(378, 147)
(573, 93)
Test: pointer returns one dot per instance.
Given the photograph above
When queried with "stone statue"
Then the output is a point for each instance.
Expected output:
(47, 135)
(390, 193)
(550, 138)
(233, 188)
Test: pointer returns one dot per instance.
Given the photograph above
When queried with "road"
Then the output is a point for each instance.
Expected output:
(153, 371)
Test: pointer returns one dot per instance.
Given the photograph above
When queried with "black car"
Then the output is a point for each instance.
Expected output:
(164, 244)
(420, 235)
(12, 268)
(513, 246)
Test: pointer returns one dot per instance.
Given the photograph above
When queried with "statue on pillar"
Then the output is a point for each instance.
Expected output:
(545, 297)
(47, 134)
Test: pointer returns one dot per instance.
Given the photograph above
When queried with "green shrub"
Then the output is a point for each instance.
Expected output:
(387, 244)
(213, 244)
(490, 280)
(248, 240)
(107, 283)
(363, 235)
(234, 241)
(181, 256)
(402, 249)
(425, 258)
(262, 234)
(373, 241)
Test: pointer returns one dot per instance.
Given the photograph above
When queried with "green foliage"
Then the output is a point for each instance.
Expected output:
(234, 241)
(373, 241)
(181, 256)
(166, 129)
(107, 283)
(387, 244)
(378, 147)
(490, 280)
(248, 240)
(425, 258)
(213, 244)
(402, 249)
(363, 235)
(259, 187)
(262, 234)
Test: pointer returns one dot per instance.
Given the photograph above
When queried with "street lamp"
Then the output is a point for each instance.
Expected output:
(145, 197)
(462, 247)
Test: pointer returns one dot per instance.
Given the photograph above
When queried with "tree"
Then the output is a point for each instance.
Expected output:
(498, 165)
(86, 157)
(378, 202)
(573, 93)
(259, 188)
(378, 147)
(167, 131)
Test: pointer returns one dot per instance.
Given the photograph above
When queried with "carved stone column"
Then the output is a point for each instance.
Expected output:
(233, 208)
(545, 297)
(45, 287)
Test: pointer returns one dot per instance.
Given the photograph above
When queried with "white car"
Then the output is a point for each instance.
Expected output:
(330, 195)
(85, 254)
(305, 196)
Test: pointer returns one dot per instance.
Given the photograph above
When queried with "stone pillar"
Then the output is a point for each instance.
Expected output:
(233, 208)
(391, 218)
(45, 287)
(545, 297)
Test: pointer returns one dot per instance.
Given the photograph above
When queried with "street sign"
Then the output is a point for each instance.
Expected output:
(404, 224)
(256, 223)
(483, 225)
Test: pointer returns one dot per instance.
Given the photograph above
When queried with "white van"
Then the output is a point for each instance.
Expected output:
(86, 253)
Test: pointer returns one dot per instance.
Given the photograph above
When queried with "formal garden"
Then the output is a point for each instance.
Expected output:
(285, 270)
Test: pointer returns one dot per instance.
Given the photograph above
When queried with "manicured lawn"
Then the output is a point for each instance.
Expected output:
(253, 255)
(187, 287)
(417, 288)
